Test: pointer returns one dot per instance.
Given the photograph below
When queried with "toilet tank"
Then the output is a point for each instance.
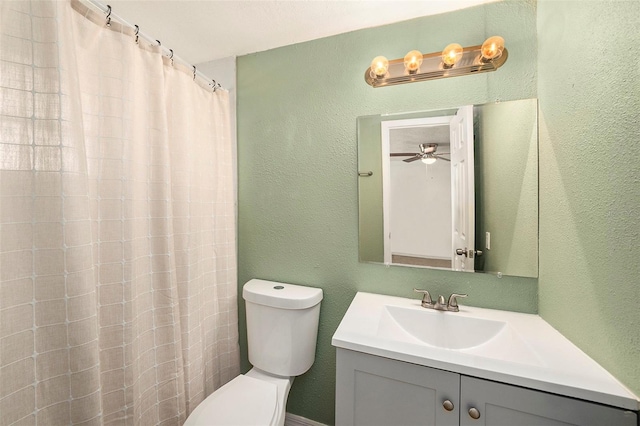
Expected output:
(282, 326)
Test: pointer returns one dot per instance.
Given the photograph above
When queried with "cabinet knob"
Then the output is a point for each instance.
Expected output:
(447, 405)
(474, 413)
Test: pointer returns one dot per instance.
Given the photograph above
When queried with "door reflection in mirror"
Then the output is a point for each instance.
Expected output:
(428, 199)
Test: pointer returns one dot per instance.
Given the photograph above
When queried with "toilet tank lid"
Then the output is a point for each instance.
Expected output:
(281, 295)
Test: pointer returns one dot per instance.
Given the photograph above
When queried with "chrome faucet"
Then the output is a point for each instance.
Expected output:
(451, 305)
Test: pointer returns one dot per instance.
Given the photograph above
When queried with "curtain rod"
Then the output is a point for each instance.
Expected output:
(135, 31)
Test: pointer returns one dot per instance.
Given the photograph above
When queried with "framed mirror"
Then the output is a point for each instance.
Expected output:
(452, 189)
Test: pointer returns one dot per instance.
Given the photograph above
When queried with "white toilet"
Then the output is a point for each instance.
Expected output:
(282, 328)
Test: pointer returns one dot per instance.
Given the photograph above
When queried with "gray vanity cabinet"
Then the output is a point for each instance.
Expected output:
(372, 391)
(375, 391)
(507, 405)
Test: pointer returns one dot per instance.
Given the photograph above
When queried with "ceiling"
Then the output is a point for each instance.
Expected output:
(408, 139)
(201, 31)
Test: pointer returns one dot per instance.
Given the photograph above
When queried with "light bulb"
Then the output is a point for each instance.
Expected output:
(428, 159)
(412, 61)
(379, 67)
(492, 48)
(451, 54)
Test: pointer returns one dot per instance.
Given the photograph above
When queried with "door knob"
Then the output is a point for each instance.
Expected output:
(470, 253)
(462, 252)
(448, 405)
(474, 413)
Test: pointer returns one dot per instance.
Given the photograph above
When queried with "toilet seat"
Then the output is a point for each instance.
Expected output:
(244, 401)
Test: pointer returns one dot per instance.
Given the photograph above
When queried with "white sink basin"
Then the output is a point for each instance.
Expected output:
(437, 328)
(508, 347)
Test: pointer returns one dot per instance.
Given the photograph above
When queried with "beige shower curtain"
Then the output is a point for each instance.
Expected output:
(117, 226)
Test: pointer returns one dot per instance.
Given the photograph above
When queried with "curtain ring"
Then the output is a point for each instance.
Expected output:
(108, 21)
(171, 56)
(194, 72)
(159, 44)
(215, 85)
(136, 33)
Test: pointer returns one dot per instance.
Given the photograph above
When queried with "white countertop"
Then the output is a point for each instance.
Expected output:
(543, 359)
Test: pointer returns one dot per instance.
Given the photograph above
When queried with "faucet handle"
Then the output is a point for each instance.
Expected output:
(426, 298)
(452, 304)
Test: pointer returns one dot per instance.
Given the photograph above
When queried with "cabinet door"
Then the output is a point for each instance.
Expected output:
(505, 405)
(376, 391)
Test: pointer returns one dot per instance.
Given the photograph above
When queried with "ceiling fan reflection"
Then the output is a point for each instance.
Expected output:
(427, 154)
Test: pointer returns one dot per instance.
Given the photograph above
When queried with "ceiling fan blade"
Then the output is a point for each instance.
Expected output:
(402, 154)
(414, 158)
(440, 157)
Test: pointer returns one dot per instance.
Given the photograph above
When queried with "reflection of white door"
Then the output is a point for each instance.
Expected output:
(422, 225)
(462, 188)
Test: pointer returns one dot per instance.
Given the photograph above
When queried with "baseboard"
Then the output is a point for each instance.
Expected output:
(293, 420)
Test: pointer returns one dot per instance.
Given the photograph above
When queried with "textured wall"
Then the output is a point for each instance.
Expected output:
(297, 110)
(589, 92)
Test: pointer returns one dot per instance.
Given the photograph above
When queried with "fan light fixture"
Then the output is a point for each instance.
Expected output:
(453, 61)
(428, 159)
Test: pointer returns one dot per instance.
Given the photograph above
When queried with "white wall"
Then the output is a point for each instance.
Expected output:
(420, 212)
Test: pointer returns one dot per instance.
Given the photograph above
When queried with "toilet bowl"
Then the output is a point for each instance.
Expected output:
(282, 328)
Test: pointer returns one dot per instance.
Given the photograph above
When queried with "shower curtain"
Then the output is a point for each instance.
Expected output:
(117, 226)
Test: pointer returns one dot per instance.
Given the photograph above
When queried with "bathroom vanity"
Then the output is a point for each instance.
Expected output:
(401, 364)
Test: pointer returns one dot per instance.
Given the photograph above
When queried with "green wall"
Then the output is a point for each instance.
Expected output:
(589, 94)
(297, 159)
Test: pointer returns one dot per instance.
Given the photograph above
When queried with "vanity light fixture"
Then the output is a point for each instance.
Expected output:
(453, 61)
(451, 55)
(412, 61)
(492, 48)
(379, 67)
